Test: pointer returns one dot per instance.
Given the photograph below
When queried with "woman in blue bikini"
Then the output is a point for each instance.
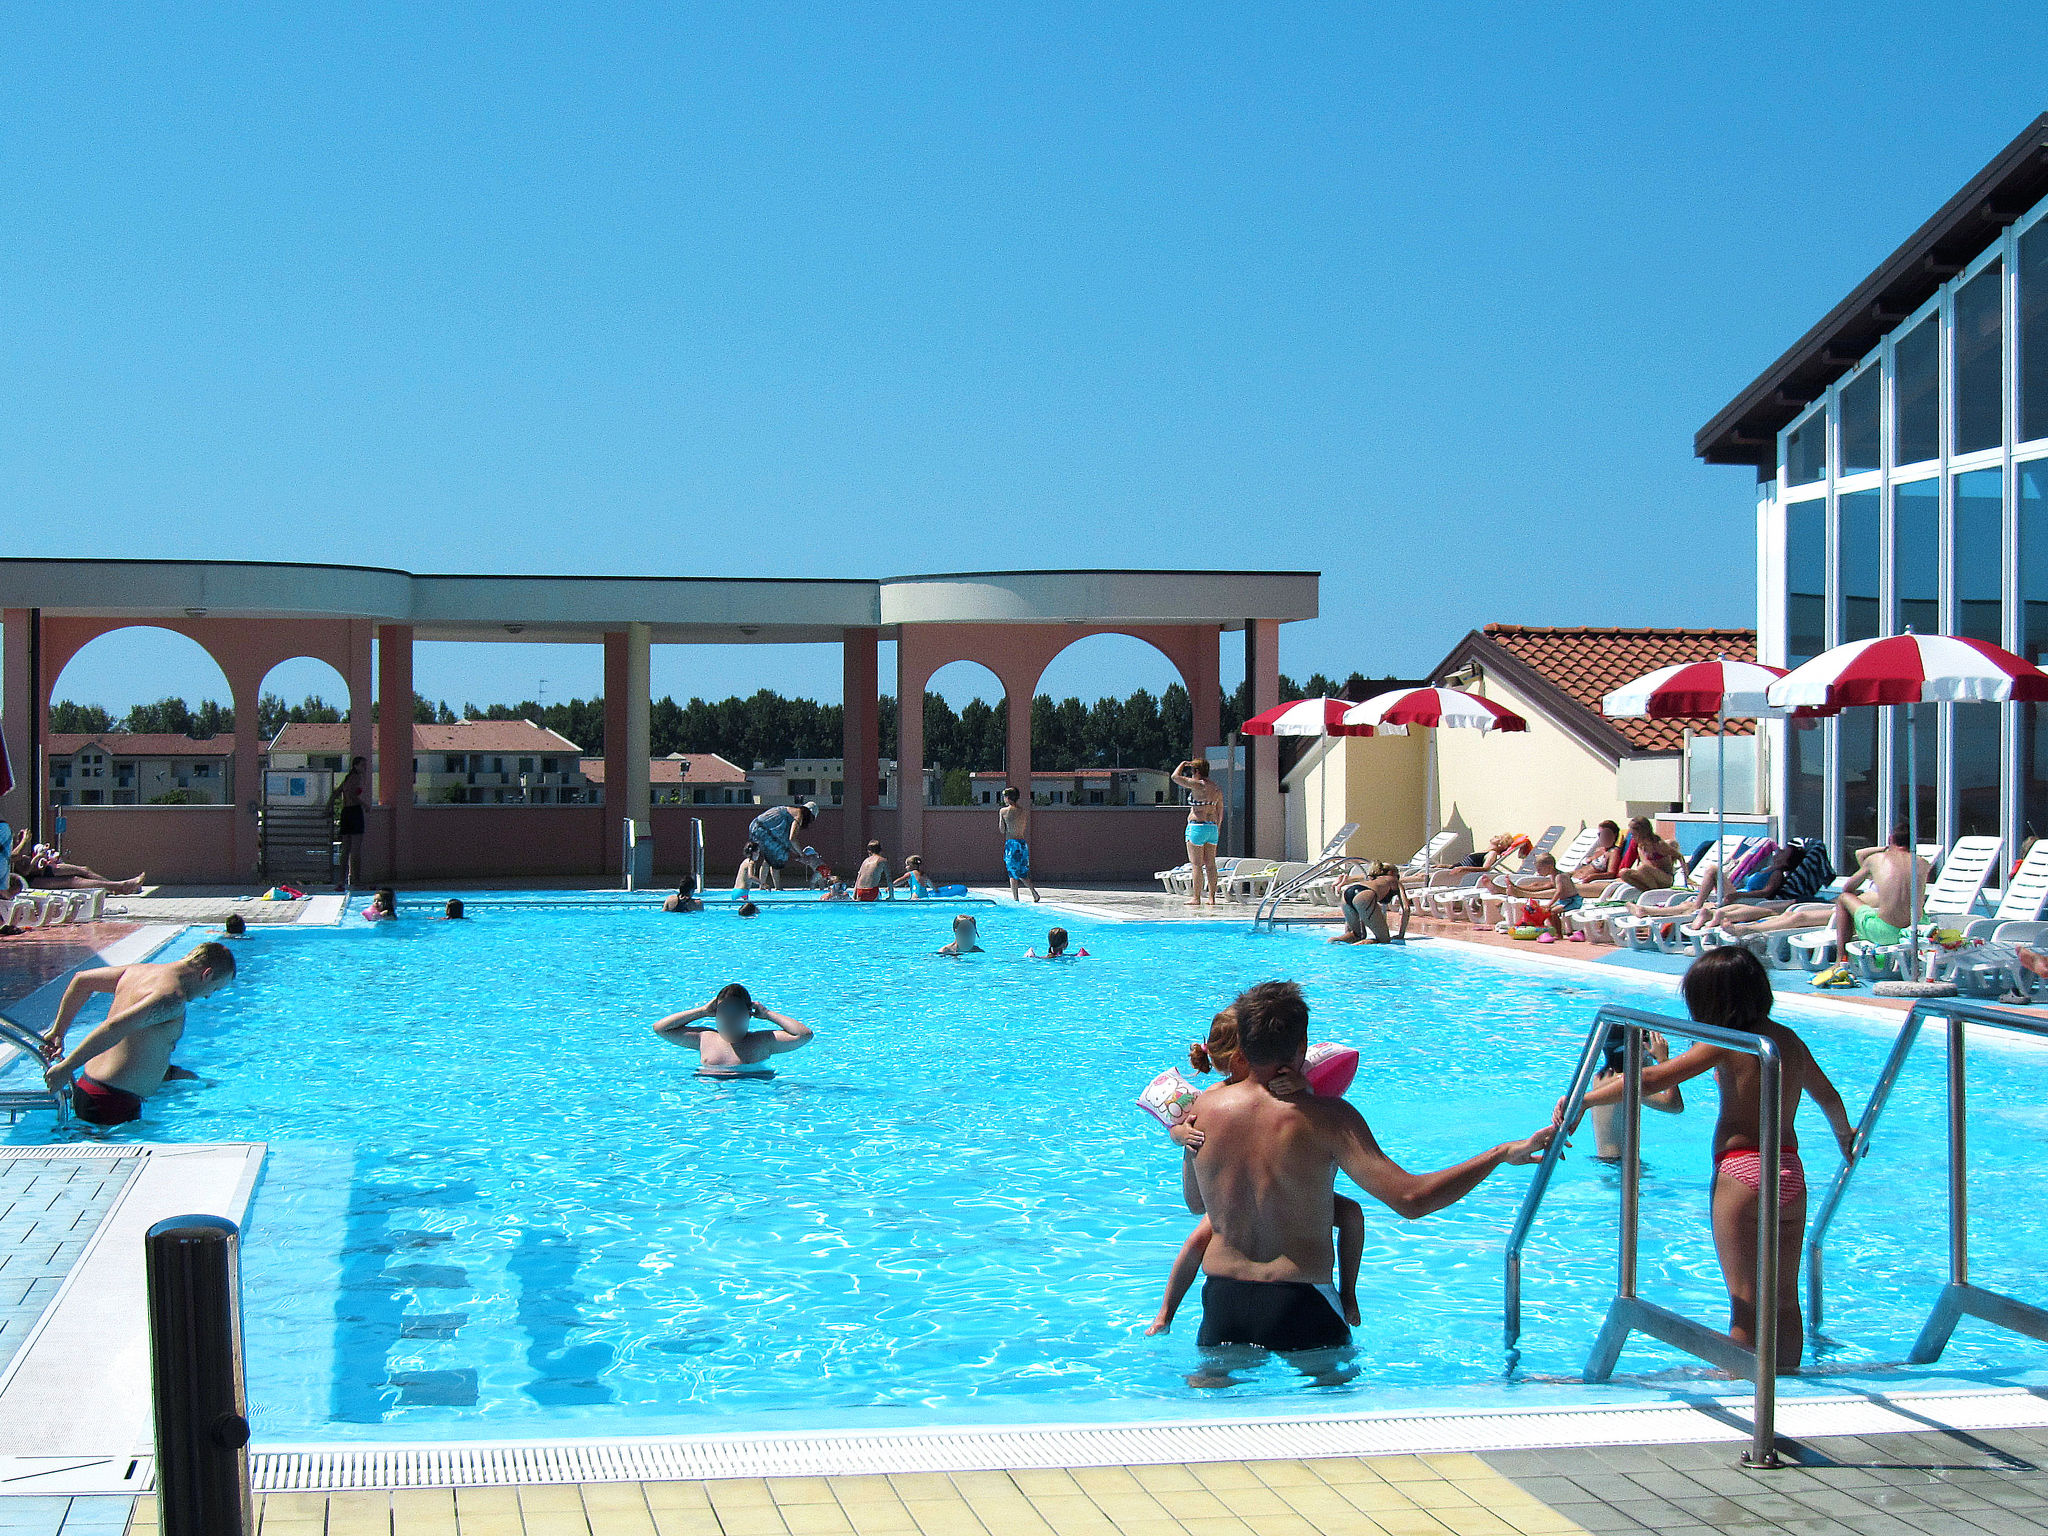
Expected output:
(1205, 824)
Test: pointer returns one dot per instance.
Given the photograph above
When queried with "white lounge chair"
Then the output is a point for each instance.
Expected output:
(1953, 897)
(2025, 899)
(1649, 931)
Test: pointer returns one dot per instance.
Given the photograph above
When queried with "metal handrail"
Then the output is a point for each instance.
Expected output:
(35, 1048)
(1628, 1312)
(1323, 863)
(697, 851)
(1959, 1298)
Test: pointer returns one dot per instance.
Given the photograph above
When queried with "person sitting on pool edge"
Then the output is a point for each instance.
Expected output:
(684, 898)
(835, 888)
(914, 879)
(1056, 948)
(130, 1049)
(872, 875)
(966, 938)
(727, 1046)
(1264, 1175)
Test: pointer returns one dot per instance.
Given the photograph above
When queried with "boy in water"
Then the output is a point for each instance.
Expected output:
(684, 897)
(872, 875)
(748, 909)
(234, 927)
(452, 913)
(129, 1052)
(835, 888)
(727, 1046)
(966, 938)
(1055, 948)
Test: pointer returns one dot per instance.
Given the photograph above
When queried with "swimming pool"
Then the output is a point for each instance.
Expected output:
(496, 1205)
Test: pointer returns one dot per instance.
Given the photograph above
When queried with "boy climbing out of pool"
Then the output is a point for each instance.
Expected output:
(966, 938)
(1221, 1055)
(129, 1051)
(1730, 988)
(872, 875)
(727, 1046)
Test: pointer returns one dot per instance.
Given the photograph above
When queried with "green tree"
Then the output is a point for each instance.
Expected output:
(167, 716)
(957, 788)
(88, 718)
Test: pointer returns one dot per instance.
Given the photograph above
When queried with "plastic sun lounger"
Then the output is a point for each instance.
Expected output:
(1645, 931)
(2025, 899)
(1955, 895)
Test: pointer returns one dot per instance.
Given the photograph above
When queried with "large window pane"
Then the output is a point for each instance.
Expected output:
(1980, 518)
(2033, 597)
(2033, 382)
(1859, 422)
(1856, 741)
(1916, 577)
(1980, 361)
(1806, 607)
(1806, 450)
(1917, 390)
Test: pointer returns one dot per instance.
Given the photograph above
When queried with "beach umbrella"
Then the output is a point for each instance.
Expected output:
(1436, 708)
(1912, 670)
(1696, 688)
(1302, 717)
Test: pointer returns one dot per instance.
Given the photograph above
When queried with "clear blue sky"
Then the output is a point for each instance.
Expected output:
(1432, 302)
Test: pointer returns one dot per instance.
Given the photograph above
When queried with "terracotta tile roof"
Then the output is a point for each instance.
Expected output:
(464, 736)
(141, 744)
(1588, 664)
(691, 768)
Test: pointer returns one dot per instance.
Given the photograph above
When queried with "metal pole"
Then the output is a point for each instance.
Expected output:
(39, 780)
(1958, 1159)
(1763, 1451)
(195, 1337)
(1230, 806)
(1912, 842)
(1721, 859)
(1631, 1152)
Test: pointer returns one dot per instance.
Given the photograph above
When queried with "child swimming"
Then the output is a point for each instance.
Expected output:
(966, 938)
(727, 1046)
(835, 888)
(748, 909)
(383, 906)
(1221, 1055)
(1056, 948)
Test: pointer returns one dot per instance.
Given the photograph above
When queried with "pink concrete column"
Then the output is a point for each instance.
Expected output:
(617, 684)
(18, 705)
(1266, 826)
(245, 681)
(394, 744)
(859, 741)
(1205, 689)
(1017, 692)
(911, 675)
(362, 732)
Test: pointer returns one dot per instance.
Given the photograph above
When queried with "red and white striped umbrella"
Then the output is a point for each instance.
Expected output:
(1392, 713)
(1302, 717)
(1718, 687)
(1911, 669)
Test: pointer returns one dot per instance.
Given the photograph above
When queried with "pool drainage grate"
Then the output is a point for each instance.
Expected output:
(826, 1455)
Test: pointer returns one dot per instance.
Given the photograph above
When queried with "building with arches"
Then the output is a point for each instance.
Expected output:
(363, 621)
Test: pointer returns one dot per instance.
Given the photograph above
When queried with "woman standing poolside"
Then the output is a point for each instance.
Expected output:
(1205, 825)
(1730, 987)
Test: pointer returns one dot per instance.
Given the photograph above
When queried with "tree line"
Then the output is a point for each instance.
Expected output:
(1140, 730)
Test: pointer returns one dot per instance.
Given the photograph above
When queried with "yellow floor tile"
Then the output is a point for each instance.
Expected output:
(481, 1501)
(1439, 1495)
(271, 1527)
(1106, 1480)
(1247, 1502)
(739, 1493)
(496, 1523)
(1283, 1474)
(1475, 1522)
(1541, 1520)
(675, 1495)
(983, 1482)
(1225, 1474)
(1191, 1504)
(1215, 1525)
(686, 1522)
(361, 1525)
(862, 1485)
(622, 1520)
(1134, 1504)
(944, 1517)
(1344, 1470)
(1459, 1465)
(1375, 1498)
(549, 1498)
(1070, 1512)
(877, 1515)
(556, 1522)
(1414, 1522)
(292, 1506)
(800, 1490)
(1146, 1528)
(612, 1495)
(1045, 1480)
(1281, 1525)
(1322, 1505)
(922, 1485)
(752, 1520)
(1159, 1479)
(1402, 1469)
(816, 1520)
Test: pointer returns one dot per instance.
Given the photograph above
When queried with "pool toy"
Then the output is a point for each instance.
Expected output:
(1523, 932)
(949, 890)
(1169, 1097)
(1331, 1068)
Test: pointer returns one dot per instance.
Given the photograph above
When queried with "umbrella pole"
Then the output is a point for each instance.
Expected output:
(1913, 843)
(1428, 786)
(1721, 859)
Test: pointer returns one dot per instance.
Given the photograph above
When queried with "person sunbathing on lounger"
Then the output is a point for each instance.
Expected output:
(45, 868)
(1602, 859)
(1893, 873)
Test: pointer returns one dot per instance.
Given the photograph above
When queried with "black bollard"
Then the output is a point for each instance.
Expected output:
(195, 1360)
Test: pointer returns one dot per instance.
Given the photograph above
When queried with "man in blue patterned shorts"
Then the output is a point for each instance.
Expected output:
(775, 832)
(1015, 819)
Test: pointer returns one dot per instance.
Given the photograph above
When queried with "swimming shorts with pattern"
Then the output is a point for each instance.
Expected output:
(1204, 834)
(1017, 858)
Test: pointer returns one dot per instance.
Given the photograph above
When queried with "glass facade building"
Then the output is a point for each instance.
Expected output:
(1912, 493)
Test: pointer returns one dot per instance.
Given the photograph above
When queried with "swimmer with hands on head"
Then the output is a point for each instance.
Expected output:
(966, 938)
(727, 1046)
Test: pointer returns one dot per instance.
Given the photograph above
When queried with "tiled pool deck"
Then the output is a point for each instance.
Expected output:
(1945, 1483)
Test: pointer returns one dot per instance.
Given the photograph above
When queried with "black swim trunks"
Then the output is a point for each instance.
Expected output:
(1281, 1315)
(351, 824)
(96, 1103)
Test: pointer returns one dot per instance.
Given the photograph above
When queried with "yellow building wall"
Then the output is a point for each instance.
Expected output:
(1375, 781)
(1521, 781)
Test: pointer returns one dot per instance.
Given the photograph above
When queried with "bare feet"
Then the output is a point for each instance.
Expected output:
(2034, 960)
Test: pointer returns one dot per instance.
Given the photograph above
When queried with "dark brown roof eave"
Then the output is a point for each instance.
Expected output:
(1745, 431)
(1589, 729)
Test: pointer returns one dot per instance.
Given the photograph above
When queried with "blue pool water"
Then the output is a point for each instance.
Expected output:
(496, 1205)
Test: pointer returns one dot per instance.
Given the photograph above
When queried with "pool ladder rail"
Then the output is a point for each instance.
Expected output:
(15, 1102)
(1328, 866)
(1628, 1312)
(1959, 1298)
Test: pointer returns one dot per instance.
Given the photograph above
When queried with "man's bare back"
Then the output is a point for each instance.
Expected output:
(1266, 1174)
(1890, 873)
(129, 1052)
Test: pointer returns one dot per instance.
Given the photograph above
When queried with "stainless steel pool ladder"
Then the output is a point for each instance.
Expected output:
(1959, 1298)
(1330, 861)
(17, 1101)
(1629, 1313)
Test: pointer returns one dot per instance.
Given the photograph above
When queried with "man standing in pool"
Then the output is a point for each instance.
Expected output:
(727, 1046)
(130, 1051)
(1265, 1176)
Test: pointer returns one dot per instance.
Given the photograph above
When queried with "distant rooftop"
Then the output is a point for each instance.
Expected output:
(141, 744)
(683, 768)
(463, 736)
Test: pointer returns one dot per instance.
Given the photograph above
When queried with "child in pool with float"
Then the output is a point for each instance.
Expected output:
(1220, 1055)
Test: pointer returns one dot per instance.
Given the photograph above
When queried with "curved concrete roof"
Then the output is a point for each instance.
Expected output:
(681, 609)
